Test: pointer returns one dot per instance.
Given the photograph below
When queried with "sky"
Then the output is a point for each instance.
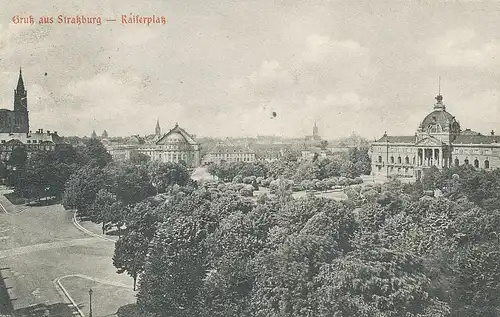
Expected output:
(222, 67)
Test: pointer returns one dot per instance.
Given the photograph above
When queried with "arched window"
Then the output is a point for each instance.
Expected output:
(466, 161)
(392, 159)
(486, 164)
(476, 163)
(407, 160)
(380, 159)
(399, 159)
(457, 162)
(414, 160)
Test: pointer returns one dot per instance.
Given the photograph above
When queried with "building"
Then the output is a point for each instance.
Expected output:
(17, 120)
(439, 141)
(315, 136)
(175, 146)
(229, 153)
(122, 152)
(15, 130)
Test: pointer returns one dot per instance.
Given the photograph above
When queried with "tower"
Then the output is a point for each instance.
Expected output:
(21, 119)
(157, 129)
(315, 131)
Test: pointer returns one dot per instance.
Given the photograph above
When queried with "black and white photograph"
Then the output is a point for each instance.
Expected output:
(250, 158)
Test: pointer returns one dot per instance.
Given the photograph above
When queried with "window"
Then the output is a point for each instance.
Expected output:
(3, 141)
(392, 159)
(476, 163)
(466, 162)
(486, 164)
(457, 162)
(380, 159)
(407, 160)
(414, 160)
(399, 160)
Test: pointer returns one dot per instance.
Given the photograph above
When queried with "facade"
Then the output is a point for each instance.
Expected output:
(122, 152)
(229, 153)
(17, 120)
(175, 146)
(33, 142)
(439, 141)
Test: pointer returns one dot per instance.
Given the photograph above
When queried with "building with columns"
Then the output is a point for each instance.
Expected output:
(439, 141)
(174, 146)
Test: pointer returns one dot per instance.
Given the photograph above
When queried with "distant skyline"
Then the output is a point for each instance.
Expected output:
(221, 68)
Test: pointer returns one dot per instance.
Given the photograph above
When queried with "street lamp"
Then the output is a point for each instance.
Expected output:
(90, 302)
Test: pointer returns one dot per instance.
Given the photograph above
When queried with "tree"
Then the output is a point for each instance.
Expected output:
(377, 282)
(96, 154)
(82, 188)
(131, 249)
(18, 157)
(306, 171)
(168, 174)
(174, 269)
(139, 158)
(130, 183)
(108, 209)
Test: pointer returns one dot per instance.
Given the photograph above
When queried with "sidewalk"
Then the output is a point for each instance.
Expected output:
(6, 206)
(95, 229)
(107, 297)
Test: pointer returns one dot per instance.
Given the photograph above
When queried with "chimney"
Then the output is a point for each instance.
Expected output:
(492, 132)
(48, 132)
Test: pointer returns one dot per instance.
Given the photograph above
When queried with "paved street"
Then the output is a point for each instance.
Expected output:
(40, 246)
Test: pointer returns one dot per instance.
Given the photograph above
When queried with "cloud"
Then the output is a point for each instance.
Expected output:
(320, 47)
(462, 48)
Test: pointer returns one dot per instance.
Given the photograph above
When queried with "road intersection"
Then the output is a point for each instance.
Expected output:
(41, 246)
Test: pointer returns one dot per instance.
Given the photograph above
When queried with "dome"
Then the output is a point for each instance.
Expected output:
(440, 120)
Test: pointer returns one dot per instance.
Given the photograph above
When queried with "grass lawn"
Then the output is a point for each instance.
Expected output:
(15, 199)
(106, 298)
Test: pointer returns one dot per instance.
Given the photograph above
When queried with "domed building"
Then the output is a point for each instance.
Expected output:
(175, 146)
(439, 141)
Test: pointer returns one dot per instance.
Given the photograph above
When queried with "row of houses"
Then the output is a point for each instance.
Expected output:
(177, 145)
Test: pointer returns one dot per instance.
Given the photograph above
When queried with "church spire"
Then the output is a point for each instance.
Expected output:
(157, 129)
(20, 82)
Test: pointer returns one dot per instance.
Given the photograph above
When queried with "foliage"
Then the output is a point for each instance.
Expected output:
(96, 154)
(82, 188)
(168, 174)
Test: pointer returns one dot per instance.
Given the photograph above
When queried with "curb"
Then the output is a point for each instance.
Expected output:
(65, 294)
(57, 282)
(88, 232)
